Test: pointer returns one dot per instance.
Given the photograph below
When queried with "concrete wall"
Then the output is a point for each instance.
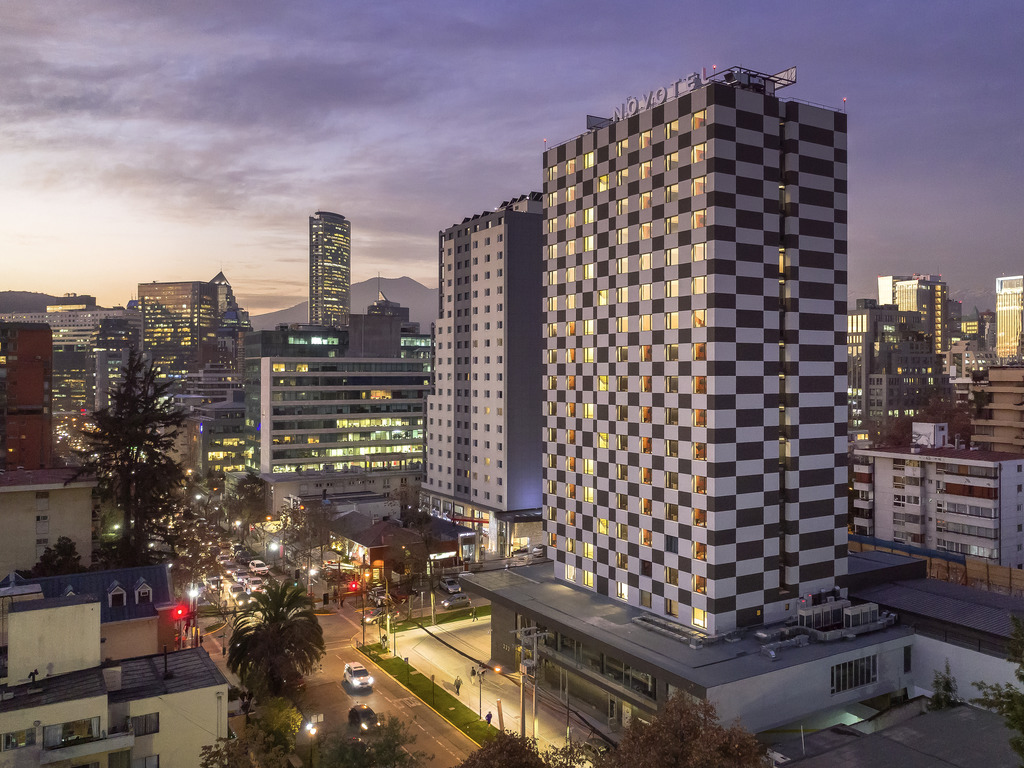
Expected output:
(125, 639)
(791, 693)
(188, 721)
(68, 512)
(503, 623)
(55, 640)
(966, 665)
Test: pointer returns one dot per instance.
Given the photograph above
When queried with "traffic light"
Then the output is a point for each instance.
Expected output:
(353, 586)
(179, 612)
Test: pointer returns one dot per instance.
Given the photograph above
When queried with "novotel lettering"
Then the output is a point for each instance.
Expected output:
(634, 104)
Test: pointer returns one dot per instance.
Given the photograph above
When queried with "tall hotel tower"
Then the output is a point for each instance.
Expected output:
(330, 260)
(484, 419)
(695, 441)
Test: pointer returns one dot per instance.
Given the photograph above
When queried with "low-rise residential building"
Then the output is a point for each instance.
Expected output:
(59, 705)
(966, 501)
(39, 506)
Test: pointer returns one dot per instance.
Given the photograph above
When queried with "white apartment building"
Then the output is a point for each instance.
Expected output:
(484, 414)
(965, 501)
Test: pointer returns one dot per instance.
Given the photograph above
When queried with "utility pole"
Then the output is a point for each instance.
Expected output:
(525, 634)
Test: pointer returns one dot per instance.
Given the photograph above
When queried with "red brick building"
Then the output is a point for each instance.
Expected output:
(26, 373)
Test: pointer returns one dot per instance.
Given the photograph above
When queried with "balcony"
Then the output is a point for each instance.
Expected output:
(85, 748)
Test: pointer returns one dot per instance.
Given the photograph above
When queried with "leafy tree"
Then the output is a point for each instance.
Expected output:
(279, 720)
(387, 748)
(252, 747)
(510, 750)
(685, 734)
(248, 503)
(60, 559)
(898, 432)
(944, 693)
(506, 750)
(193, 547)
(276, 640)
(1005, 698)
(128, 449)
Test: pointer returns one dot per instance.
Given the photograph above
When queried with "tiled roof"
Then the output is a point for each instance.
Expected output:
(189, 669)
(99, 584)
(19, 477)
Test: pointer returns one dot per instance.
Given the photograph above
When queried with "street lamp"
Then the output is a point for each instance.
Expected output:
(311, 730)
(480, 688)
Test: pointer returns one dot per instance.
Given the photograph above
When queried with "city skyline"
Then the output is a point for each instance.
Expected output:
(210, 137)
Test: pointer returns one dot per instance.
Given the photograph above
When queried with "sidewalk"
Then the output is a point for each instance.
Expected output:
(457, 650)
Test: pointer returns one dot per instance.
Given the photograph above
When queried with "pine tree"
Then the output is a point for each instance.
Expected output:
(128, 450)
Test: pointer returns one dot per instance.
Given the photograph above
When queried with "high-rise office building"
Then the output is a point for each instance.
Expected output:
(1009, 316)
(179, 325)
(484, 415)
(319, 398)
(188, 325)
(927, 295)
(330, 258)
(893, 367)
(695, 437)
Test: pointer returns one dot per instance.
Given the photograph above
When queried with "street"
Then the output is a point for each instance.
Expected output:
(326, 694)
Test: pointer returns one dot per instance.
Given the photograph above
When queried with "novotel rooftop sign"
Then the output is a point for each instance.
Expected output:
(644, 101)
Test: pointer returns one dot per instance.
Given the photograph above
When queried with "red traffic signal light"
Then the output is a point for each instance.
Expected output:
(179, 612)
(354, 585)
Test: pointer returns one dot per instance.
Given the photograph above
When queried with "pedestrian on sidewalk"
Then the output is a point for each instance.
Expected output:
(472, 613)
(458, 684)
(488, 718)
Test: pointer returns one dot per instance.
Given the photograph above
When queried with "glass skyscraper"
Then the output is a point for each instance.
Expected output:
(330, 258)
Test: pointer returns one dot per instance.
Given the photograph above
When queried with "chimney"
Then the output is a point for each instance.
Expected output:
(112, 678)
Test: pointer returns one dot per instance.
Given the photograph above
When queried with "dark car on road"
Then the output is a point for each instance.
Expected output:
(363, 718)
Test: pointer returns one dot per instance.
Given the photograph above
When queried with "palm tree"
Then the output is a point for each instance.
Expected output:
(276, 640)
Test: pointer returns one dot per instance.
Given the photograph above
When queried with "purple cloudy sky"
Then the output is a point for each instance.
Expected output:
(167, 141)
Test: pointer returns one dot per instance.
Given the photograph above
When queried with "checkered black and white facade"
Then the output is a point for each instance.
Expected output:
(483, 416)
(695, 256)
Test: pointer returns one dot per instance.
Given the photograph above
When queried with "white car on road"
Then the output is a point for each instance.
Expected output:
(259, 567)
(357, 676)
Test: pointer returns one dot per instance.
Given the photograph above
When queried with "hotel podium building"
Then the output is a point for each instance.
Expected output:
(695, 414)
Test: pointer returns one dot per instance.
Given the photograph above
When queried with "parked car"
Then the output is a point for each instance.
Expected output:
(450, 584)
(539, 550)
(258, 567)
(458, 600)
(357, 676)
(363, 718)
(377, 614)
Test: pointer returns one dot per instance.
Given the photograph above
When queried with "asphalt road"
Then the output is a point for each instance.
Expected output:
(326, 694)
